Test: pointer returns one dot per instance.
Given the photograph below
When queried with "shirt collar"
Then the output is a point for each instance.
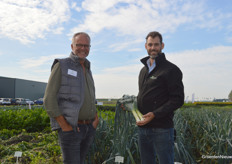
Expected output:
(150, 67)
(76, 59)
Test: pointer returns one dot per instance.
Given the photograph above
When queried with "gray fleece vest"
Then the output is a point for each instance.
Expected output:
(71, 93)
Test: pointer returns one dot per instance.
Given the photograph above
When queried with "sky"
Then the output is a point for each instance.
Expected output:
(197, 35)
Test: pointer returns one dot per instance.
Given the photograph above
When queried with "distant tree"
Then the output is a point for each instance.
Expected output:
(230, 96)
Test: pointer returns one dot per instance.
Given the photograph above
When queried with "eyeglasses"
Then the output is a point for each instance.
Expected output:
(83, 45)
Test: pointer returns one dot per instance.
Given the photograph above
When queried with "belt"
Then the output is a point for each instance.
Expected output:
(85, 121)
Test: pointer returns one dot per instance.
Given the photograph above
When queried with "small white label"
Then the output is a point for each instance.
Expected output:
(18, 154)
(119, 159)
(72, 72)
(99, 103)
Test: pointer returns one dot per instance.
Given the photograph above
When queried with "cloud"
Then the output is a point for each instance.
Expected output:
(213, 56)
(36, 62)
(124, 70)
(131, 19)
(37, 69)
(206, 72)
(21, 73)
(117, 81)
(75, 7)
(122, 45)
(134, 49)
(136, 17)
(115, 85)
(27, 20)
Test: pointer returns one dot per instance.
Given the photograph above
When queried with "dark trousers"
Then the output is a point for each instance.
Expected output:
(156, 142)
(75, 144)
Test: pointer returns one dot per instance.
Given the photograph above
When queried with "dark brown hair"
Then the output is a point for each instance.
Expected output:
(154, 34)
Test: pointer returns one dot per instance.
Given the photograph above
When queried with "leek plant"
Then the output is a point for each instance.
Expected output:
(129, 103)
(125, 140)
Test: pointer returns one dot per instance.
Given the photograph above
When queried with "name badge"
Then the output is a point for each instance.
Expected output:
(72, 72)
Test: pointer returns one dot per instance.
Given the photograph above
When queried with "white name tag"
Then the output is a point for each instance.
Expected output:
(72, 72)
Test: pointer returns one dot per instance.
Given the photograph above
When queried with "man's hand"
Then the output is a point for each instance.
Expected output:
(96, 121)
(65, 126)
(147, 118)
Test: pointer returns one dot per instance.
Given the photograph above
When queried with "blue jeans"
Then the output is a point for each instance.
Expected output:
(75, 145)
(156, 141)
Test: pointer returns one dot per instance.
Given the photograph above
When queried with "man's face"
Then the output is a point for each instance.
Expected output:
(153, 46)
(81, 46)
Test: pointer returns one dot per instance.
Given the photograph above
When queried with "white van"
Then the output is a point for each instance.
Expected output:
(5, 101)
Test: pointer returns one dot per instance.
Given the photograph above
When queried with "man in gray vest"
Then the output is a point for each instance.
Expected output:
(70, 101)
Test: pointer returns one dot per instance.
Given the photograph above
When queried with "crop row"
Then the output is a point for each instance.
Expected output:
(201, 132)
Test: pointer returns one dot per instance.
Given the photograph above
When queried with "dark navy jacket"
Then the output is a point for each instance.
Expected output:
(161, 91)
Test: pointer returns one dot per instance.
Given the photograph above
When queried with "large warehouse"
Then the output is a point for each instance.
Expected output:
(19, 88)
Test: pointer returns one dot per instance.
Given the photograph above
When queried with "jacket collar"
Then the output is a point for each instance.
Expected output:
(159, 59)
(76, 59)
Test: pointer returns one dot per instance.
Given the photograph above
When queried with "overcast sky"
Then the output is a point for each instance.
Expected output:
(197, 36)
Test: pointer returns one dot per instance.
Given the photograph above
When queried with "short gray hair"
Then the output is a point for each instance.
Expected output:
(80, 33)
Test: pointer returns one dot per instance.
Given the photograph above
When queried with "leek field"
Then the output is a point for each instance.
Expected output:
(203, 135)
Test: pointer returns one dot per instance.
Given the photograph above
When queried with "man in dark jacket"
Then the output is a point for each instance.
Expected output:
(161, 92)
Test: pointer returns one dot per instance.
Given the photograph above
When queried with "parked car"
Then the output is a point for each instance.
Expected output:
(28, 101)
(21, 101)
(12, 101)
(39, 101)
(4, 101)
